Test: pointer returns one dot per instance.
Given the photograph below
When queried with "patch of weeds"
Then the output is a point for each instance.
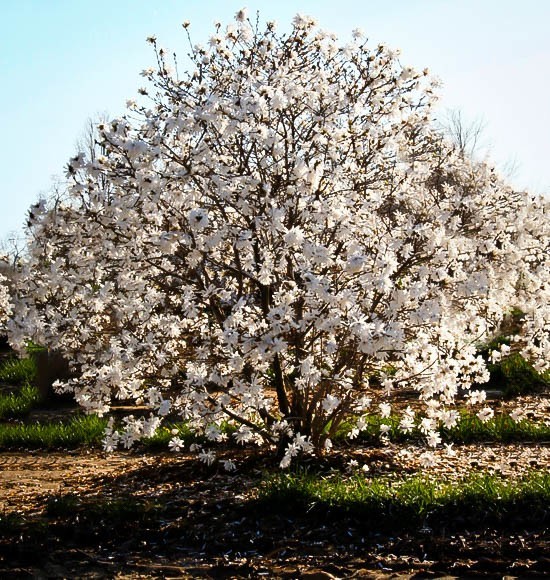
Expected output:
(18, 371)
(86, 430)
(391, 504)
(19, 404)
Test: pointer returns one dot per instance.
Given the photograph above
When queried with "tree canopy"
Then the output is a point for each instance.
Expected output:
(280, 238)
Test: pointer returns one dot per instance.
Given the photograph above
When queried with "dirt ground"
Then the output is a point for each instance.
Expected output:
(217, 531)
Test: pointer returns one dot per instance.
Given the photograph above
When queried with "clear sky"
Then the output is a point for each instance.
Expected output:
(64, 61)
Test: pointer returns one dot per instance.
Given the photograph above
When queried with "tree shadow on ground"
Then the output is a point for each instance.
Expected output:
(178, 519)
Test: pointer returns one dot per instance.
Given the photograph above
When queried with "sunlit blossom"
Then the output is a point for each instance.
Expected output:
(427, 460)
(485, 414)
(176, 444)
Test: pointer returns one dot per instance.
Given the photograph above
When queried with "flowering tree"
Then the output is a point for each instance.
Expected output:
(277, 238)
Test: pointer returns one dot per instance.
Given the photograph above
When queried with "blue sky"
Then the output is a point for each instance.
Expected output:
(64, 61)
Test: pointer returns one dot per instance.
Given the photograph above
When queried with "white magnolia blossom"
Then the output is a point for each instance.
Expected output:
(276, 238)
(6, 307)
(485, 414)
(176, 444)
(229, 465)
(207, 456)
(330, 404)
(449, 451)
(427, 460)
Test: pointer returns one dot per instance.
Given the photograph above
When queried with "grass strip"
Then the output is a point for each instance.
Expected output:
(501, 428)
(19, 404)
(413, 502)
(88, 430)
(380, 504)
(82, 430)
(469, 429)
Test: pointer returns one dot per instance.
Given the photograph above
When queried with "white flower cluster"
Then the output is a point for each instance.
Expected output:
(6, 307)
(272, 236)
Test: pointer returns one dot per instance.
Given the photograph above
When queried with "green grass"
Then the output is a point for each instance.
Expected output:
(515, 376)
(19, 404)
(501, 428)
(18, 371)
(88, 430)
(382, 504)
(411, 502)
(469, 429)
(79, 431)
(160, 440)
